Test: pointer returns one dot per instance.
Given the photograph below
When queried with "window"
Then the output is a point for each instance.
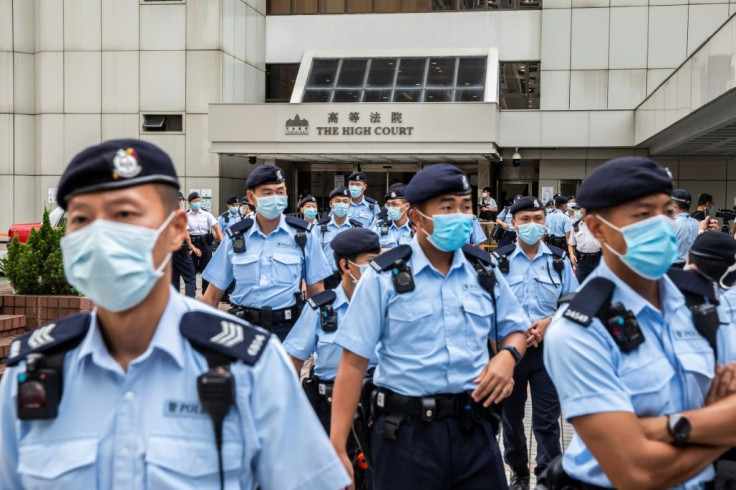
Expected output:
(297, 7)
(163, 122)
(519, 85)
(280, 79)
(411, 79)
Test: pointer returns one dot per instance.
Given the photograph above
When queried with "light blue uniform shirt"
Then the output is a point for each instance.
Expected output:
(362, 212)
(307, 337)
(433, 339)
(396, 235)
(224, 225)
(686, 231)
(269, 272)
(536, 284)
(476, 234)
(325, 239)
(506, 216)
(558, 223)
(670, 372)
(146, 428)
(726, 339)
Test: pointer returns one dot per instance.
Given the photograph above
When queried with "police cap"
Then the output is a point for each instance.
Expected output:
(192, 196)
(116, 164)
(181, 196)
(682, 196)
(304, 200)
(560, 199)
(232, 200)
(437, 180)
(396, 191)
(244, 200)
(622, 180)
(715, 245)
(358, 176)
(354, 241)
(339, 191)
(526, 203)
(265, 174)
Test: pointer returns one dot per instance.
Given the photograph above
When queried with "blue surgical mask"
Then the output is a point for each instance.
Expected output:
(272, 206)
(451, 231)
(234, 210)
(112, 263)
(577, 215)
(363, 268)
(394, 213)
(310, 213)
(531, 233)
(651, 246)
(355, 191)
(195, 206)
(340, 209)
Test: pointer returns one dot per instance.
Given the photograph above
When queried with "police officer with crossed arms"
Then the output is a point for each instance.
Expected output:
(152, 389)
(430, 309)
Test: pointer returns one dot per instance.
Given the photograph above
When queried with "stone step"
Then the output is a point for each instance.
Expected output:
(5, 348)
(12, 324)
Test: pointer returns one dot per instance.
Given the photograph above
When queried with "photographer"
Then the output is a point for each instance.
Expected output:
(487, 207)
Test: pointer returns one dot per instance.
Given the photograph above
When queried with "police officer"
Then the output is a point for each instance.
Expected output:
(626, 347)
(394, 230)
(182, 266)
(538, 275)
(477, 235)
(268, 257)
(362, 208)
(686, 227)
(138, 407)
(246, 208)
(199, 224)
(430, 309)
(231, 216)
(559, 224)
(308, 207)
(584, 249)
(326, 229)
(504, 221)
(314, 332)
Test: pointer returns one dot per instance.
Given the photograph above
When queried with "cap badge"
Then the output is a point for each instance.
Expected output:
(669, 172)
(393, 195)
(466, 185)
(537, 204)
(279, 176)
(125, 164)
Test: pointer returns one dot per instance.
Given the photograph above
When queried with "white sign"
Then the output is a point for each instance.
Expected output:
(207, 199)
(52, 195)
(339, 181)
(547, 194)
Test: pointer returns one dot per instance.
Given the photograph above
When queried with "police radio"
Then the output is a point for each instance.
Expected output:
(624, 328)
(402, 277)
(328, 318)
(39, 390)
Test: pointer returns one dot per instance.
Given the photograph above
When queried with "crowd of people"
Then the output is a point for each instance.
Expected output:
(377, 345)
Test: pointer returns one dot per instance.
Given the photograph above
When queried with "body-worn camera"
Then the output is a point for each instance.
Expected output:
(624, 328)
(38, 390)
(239, 243)
(328, 318)
(402, 277)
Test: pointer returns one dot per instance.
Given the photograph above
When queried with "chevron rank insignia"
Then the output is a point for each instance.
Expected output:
(49, 337)
(224, 334)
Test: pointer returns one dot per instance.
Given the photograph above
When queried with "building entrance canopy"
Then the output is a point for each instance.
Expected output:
(355, 132)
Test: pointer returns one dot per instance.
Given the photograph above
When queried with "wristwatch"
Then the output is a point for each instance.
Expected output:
(514, 352)
(679, 428)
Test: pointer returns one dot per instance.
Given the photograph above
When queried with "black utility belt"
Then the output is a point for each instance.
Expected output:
(428, 408)
(583, 256)
(325, 389)
(198, 238)
(267, 317)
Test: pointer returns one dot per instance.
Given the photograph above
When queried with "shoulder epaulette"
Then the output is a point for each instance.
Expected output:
(370, 200)
(324, 298)
(63, 333)
(556, 251)
(324, 220)
(297, 223)
(505, 250)
(475, 253)
(241, 226)
(355, 223)
(228, 336)
(224, 215)
(387, 260)
(689, 282)
(588, 302)
(383, 214)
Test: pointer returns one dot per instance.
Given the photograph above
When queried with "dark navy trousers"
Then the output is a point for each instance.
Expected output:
(436, 455)
(183, 268)
(585, 267)
(545, 414)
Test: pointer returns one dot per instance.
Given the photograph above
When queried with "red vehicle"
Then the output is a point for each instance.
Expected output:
(23, 230)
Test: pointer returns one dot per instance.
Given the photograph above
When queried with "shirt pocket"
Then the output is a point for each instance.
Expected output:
(699, 370)
(287, 268)
(411, 328)
(478, 327)
(548, 291)
(516, 283)
(59, 465)
(245, 269)
(648, 385)
(180, 463)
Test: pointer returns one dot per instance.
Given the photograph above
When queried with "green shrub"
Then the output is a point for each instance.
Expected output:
(36, 267)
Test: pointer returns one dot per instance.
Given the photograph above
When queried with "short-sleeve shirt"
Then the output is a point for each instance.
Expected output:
(582, 239)
(477, 236)
(505, 216)
(362, 212)
(227, 219)
(199, 223)
(433, 339)
(726, 338)
(146, 429)
(395, 235)
(670, 372)
(558, 223)
(324, 239)
(686, 231)
(270, 270)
